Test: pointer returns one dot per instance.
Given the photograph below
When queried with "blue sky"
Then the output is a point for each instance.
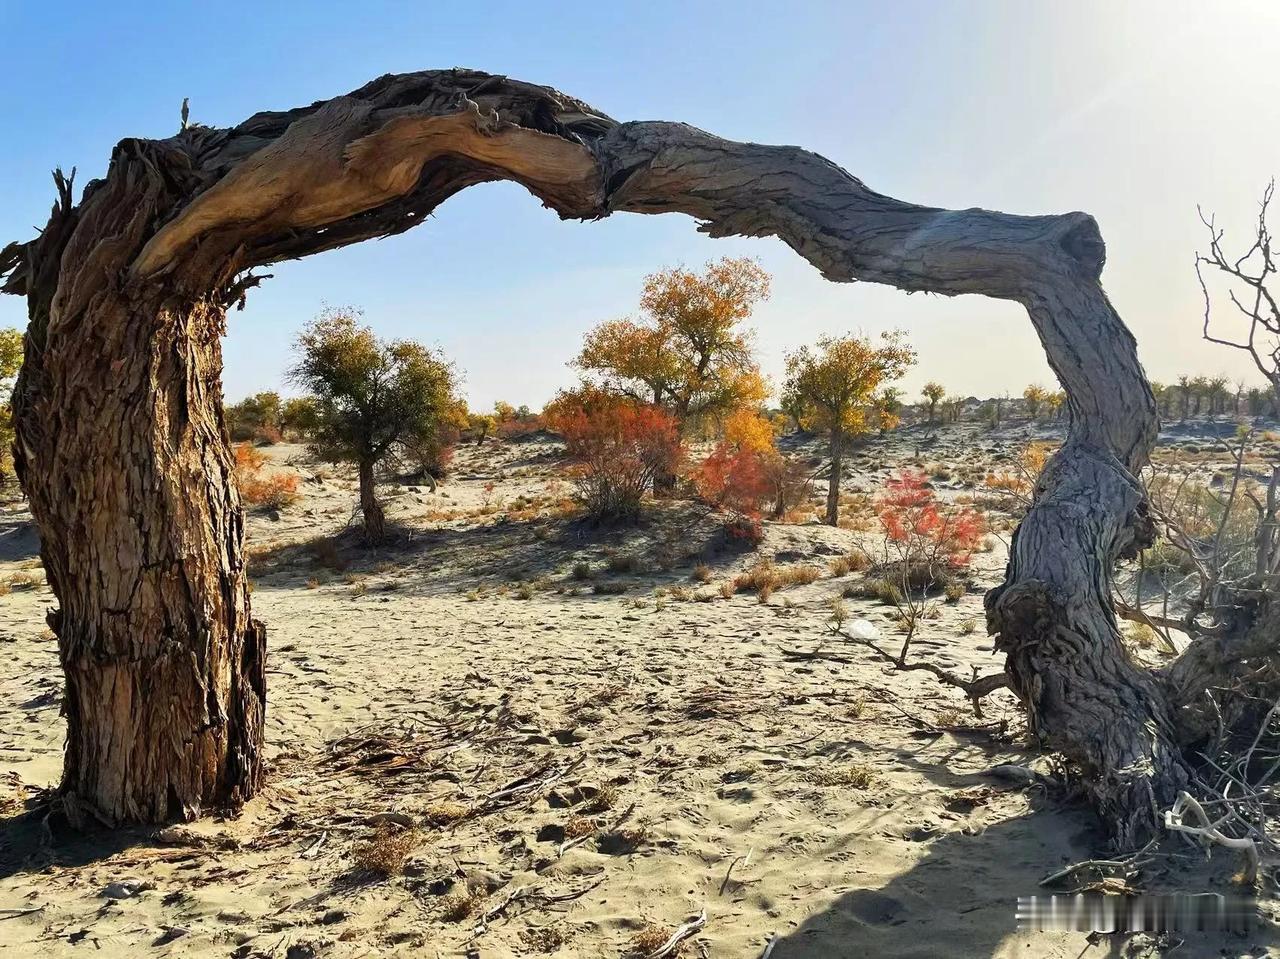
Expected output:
(1133, 111)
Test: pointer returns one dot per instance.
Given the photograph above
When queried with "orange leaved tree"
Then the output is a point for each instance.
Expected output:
(688, 352)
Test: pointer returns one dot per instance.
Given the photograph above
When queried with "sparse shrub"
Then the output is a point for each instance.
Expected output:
(324, 551)
(446, 812)
(23, 581)
(967, 627)
(954, 591)
(652, 938)
(702, 573)
(457, 906)
(581, 571)
(277, 491)
(1140, 635)
(387, 852)
(853, 775)
(849, 563)
(604, 799)
(765, 576)
(734, 479)
(579, 826)
(745, 531)
(624, 563)
(910, 514)
(619, 448)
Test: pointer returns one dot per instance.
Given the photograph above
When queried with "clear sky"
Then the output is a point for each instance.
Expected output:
(1132, 110)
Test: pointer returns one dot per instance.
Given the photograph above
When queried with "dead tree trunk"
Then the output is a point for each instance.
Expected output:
(126, 464)
(124, 458)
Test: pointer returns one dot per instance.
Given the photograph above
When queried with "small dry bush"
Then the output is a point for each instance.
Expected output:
(652, 938)
(545, 938)
(1140, 635)
(854, 775)
(624, 563)
(849, 563)
(272, 492)
(581, 571)
(604, 799)
(386, 853)
(702, 573)
(457, 906)
(21, 581)
(954, 592)
(765, 577)
(444, 813)
(278, 491)
(579, 826)
(324, 552)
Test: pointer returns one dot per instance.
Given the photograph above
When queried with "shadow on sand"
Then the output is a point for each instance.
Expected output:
(960, 899)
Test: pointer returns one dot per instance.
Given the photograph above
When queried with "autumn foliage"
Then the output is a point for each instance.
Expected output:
(688, 352)
(923, 531)
(734, 478)
(273, 491)
(618, 446)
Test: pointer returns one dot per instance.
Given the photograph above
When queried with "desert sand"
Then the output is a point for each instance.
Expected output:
(577, 740)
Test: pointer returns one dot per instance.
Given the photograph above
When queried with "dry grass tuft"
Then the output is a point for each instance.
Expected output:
(579, 826)
(545, 938)
(765, 577)
(702, 573)
(854, 775)
(386, 853)
(446, 812)
(624, 563)
(457, 906)
(652, 938)
(606, 797)
(849, 563)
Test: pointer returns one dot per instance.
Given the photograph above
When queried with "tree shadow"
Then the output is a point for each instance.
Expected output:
(39, 837)
(959, 900)
(18, 538)
(667, 542)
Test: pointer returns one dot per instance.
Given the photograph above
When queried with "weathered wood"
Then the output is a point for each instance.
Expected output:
(131, 487)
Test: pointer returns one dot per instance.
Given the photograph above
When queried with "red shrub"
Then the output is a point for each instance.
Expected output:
(921, 529)
(619, 448)
(734, 478)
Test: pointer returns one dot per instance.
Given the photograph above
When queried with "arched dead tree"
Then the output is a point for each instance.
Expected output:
(124, 457)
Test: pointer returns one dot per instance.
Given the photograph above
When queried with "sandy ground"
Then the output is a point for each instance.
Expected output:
(567, 766)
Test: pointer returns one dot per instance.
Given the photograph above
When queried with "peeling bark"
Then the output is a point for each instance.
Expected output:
(126, 463)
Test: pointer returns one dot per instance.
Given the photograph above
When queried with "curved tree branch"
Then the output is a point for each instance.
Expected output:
(177, 223)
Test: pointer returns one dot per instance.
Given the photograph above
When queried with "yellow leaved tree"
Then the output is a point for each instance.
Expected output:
(835, 382)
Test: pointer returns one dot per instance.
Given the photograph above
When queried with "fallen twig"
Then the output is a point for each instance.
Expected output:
(680, 935)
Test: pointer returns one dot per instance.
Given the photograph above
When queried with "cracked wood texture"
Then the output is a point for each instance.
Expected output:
(123, 454)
